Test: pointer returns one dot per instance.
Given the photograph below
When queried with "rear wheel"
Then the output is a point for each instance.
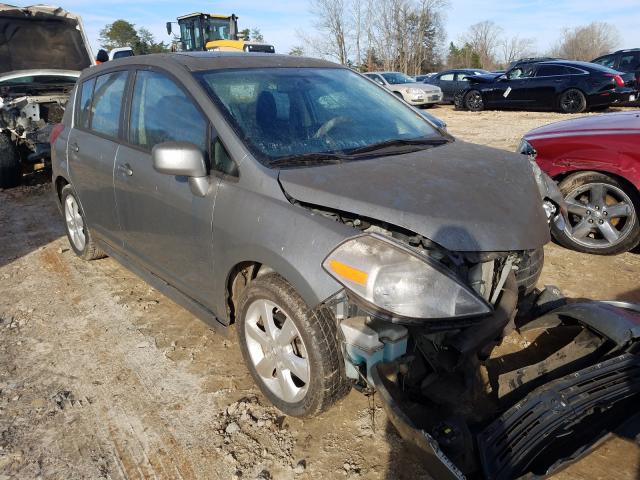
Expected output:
(473, 101)
(573, 101)
(603, 214)
(78, 233)
(292, 352)
(9, 163)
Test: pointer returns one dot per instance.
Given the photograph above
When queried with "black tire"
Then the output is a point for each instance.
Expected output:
(89, 251)
(630, 233)
(317, 329)
(572, 101)
(473, 101)
(9, 163)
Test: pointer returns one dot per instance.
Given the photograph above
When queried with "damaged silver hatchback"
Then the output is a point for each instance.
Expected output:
(353, 244)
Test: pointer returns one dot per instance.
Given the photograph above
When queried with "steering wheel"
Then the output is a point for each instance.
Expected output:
(330, 125)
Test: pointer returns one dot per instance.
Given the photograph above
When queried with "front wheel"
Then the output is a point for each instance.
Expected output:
(473, 101)
(573, 101)
(292, 352)
(603, 214)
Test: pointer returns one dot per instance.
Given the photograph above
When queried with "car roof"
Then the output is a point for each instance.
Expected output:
(202, 61)
(574, 63)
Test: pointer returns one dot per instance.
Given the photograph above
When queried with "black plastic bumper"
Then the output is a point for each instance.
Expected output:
(555, 424)
(515, 440)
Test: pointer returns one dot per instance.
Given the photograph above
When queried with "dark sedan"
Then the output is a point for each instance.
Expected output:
(567, 86)
(597, 163)
(452, 81)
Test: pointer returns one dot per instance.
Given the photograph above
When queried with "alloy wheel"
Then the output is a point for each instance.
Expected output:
(474, 101)
(572, 101)
(277, 351)
(600, 215)
(75, 223)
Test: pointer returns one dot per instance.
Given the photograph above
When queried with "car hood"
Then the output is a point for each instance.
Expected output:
(610, 123)
(427, 87)
(41, 37)
(462, 196)
(71, 75)
(485, 78)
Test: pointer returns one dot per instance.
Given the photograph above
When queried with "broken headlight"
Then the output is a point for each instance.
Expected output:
(526, 148)
(396, 283)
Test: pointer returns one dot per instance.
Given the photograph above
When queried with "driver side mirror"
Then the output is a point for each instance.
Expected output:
(182, 159)
(503, 77)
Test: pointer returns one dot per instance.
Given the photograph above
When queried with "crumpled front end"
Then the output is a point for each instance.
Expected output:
(544, 395)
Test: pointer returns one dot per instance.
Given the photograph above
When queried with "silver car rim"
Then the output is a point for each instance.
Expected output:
(75, 224)
(600, 215)
(277, 351)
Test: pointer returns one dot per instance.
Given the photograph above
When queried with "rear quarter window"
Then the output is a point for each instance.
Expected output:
(84, 107)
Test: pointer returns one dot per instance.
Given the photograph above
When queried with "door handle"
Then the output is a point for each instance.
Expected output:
(75, 147)
(126, 169)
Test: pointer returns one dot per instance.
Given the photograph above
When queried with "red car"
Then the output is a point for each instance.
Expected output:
(596, 160)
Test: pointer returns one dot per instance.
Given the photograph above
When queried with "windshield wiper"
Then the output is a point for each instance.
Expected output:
(398, 143)
(306, 159)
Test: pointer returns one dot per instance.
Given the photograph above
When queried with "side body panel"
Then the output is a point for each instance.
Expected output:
(254, 222)
(615, 153)
(91, 159)
(164, 225)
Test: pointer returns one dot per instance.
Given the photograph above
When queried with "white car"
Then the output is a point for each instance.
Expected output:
(120, 52)
(406, 87)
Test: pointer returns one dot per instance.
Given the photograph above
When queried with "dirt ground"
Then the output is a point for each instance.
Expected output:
(103, 377)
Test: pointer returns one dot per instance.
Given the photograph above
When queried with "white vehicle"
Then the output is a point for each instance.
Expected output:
(406, 87)
(42, 52)
(121, 52)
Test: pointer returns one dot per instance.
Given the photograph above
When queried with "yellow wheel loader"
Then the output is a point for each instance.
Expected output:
(212, 32)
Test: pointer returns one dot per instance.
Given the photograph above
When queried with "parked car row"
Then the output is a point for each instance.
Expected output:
(257, 190)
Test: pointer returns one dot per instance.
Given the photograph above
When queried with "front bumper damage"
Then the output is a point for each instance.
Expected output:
(555, 411)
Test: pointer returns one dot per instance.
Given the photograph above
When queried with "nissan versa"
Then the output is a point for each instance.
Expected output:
(352, 243)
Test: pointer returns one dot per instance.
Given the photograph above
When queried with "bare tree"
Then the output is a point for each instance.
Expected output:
(516, 47)
(404, 35)
(484, 38)
(587, 42)
(331, 22)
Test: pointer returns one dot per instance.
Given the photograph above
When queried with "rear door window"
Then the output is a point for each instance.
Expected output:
(551, 70)
(629, 62)
(107, 103)
(606, 61)
(162, 112)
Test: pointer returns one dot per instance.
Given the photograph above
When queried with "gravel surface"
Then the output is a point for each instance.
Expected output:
(103, 377)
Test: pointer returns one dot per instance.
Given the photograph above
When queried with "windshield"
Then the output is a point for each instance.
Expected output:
(395, 78)
(217, 29)
(289, 112)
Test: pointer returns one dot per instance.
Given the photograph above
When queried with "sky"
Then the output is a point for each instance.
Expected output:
(280, 20)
